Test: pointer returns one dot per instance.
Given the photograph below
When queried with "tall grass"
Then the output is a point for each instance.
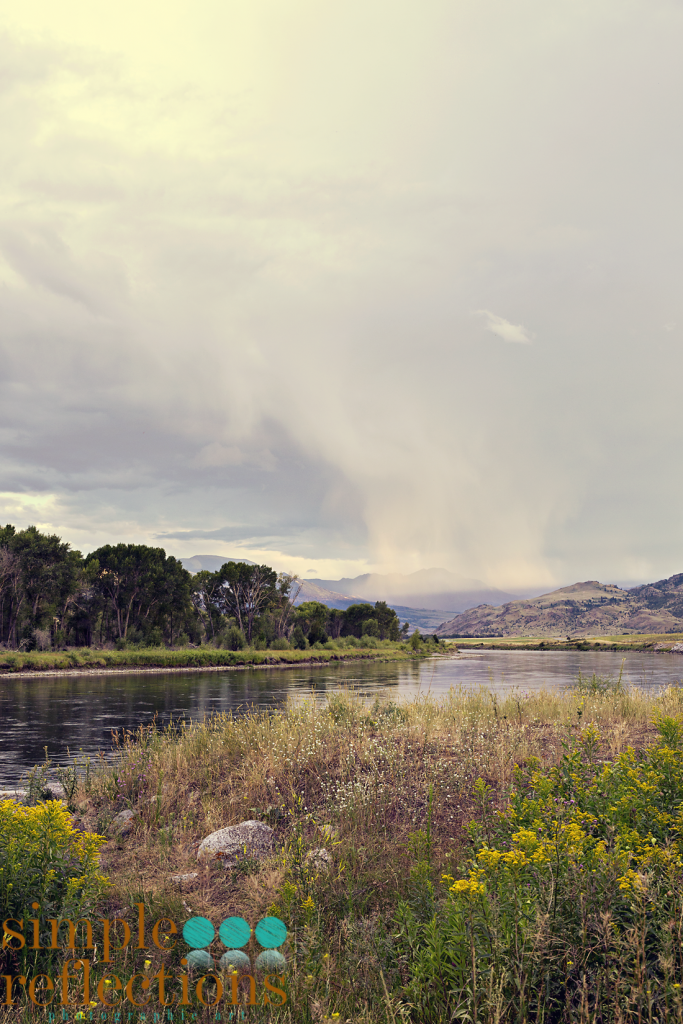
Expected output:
(400, 796)
(198, 657)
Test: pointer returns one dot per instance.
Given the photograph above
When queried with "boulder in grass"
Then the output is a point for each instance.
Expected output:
(186, 879)
(320, 860)
(232, 844)
(55, 790)
(123, 822)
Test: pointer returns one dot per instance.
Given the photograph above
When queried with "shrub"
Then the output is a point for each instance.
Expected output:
(280, 644)
(298, 639)
(234, 639)
(44, 858)
(573, 895)
(317, 635)
(43, 639)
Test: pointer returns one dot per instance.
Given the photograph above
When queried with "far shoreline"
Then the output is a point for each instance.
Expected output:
(268, 661)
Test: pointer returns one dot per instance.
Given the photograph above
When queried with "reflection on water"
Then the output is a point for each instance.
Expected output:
(78, 713)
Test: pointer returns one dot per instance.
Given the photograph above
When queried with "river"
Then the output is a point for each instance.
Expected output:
(76, 714)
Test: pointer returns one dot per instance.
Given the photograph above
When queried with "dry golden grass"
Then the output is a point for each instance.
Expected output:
(378, 786)
(362, 775)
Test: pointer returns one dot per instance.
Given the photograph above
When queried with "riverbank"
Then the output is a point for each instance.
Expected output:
(653, 642)
(91, 661)
(401, 797)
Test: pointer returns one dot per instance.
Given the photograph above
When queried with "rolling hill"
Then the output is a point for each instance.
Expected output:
(589, 608)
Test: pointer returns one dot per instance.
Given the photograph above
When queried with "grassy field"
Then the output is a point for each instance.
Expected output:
(198, 657)
(491, 860)
(620, 642)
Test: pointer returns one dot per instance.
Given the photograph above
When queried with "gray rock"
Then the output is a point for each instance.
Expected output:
(676, 649)
(56, 790)
(123, 818)
(18, 795)
(320, 860)
(248, 839)
(185, 879)
(123, 822)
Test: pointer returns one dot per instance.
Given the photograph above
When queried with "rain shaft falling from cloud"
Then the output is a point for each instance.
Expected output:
(240, 247)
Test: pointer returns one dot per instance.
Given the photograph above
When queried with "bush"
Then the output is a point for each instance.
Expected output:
(43, 639)
(370, 628)
(155, 637)
(280, 644)
(573, 894)
(44, 859)
(317, 635)
(234, 639)
(297, 639)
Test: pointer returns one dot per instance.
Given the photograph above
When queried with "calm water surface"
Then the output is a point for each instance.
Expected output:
(79, 713)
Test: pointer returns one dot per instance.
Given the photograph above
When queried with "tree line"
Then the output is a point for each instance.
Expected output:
(124, 594)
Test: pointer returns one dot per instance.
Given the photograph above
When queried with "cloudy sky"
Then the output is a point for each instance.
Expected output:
(372, 285)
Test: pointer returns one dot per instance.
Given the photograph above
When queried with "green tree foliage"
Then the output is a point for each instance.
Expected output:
(133, 593)
(205, 595)
(312, 618)
(40, 580)
(357, 616)
(245, 591)
(140, 585)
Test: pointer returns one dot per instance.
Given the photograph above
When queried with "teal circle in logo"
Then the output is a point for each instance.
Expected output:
(270, 960)
(270, 932)
(198, 932)
(234, 932)
(200, 959)
(235, 960)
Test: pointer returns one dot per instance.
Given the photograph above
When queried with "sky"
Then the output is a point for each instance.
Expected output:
(372, 286)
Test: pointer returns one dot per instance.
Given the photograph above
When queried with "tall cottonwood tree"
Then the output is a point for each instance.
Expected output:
(140, 586)
(40, 580)
(245, 592)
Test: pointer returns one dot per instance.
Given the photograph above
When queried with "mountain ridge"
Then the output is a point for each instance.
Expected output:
(588, 608)
(426, 588)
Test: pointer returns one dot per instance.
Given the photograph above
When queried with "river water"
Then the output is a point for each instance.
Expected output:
(76, 714)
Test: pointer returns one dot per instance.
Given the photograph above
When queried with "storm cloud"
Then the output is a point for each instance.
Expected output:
(240, 251)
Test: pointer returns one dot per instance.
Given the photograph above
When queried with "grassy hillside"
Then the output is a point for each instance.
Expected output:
(583, 609)
(498, 861)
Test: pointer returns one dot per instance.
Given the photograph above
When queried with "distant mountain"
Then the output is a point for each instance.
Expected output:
(424, 619)
(589, 608)
(311, 591)
(210, 563)
(425, 589)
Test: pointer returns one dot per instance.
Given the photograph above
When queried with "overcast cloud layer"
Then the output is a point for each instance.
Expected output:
(347, 286)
